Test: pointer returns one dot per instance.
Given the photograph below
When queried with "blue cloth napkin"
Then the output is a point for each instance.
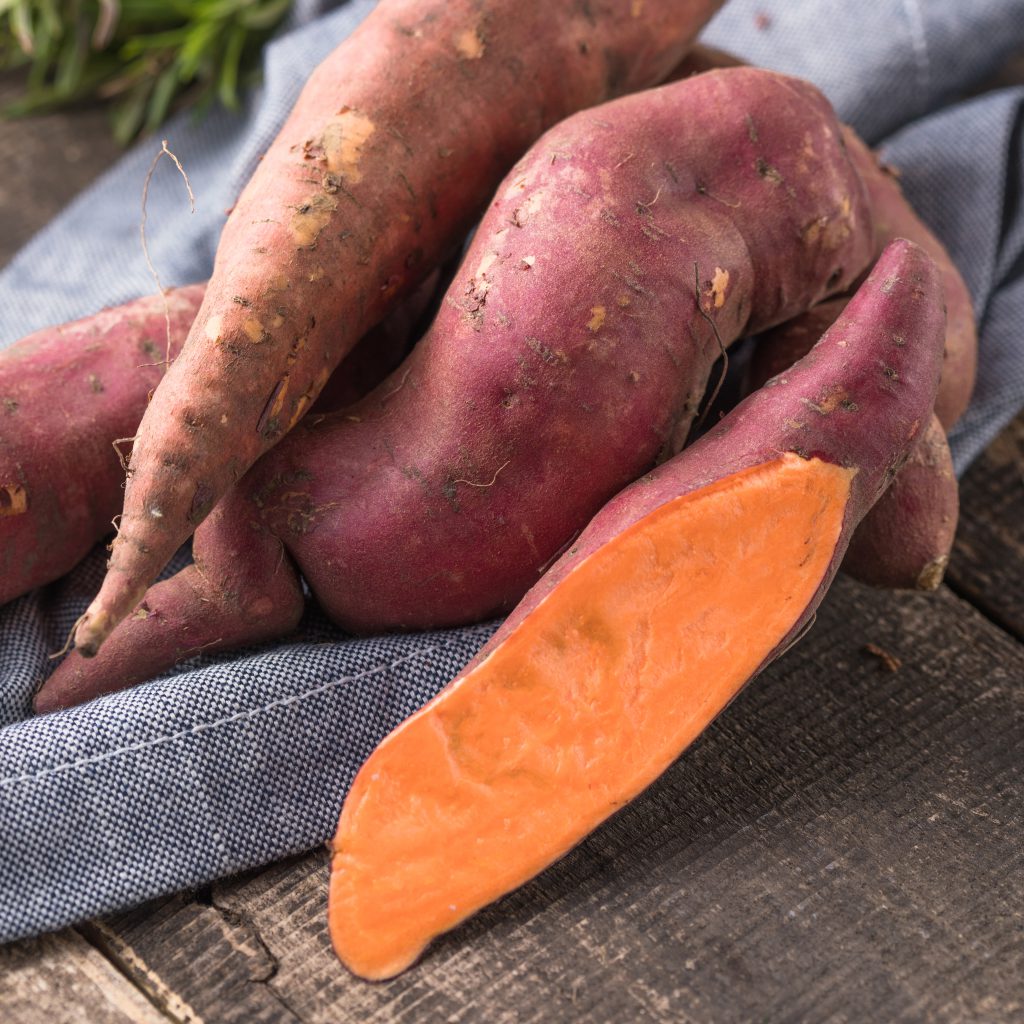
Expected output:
(238, 761)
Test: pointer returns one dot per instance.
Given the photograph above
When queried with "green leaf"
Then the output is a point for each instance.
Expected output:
(140, 55)
(227, 87)
(129, 112)
(160, 101)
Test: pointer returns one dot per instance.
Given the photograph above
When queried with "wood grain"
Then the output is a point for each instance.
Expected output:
(61, 979)
(987, 566)
(842, 845)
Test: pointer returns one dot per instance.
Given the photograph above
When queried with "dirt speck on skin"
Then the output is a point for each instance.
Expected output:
(837, 398)
(469, 45)
(342, 143)
(719, 284)
(310, 219)
(13, 500)
(767, 172)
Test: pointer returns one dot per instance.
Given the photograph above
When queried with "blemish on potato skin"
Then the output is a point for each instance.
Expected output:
(767, 172)
(719, 284)
(597, 318)
(469, 45)
(837, 398)
(214, 329)
(254, 330)
(342, 141)
(13, 500)
(310, 219)
(548, 355)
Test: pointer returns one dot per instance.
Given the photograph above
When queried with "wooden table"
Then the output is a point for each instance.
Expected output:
(845, 843)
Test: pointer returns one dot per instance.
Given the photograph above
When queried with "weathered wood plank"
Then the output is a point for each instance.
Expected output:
(202, 965)
(842, 845)
(61, 979)
(987, 566)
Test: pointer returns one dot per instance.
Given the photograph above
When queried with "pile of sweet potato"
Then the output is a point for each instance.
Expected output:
(531, 453)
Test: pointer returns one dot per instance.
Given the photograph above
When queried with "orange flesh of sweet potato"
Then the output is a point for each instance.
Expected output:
(615, 673)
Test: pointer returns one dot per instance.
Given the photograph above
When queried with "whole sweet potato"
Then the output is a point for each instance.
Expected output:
(561, 363)
(393, 147)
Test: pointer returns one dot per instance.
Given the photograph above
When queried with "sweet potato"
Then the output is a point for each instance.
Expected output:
(68, 392)
(559, 366)
(393, 148)
(906, 539)
(893, 217)
(681, 589)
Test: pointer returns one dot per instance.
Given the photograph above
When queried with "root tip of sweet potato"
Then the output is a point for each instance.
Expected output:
(94, 628)
(43, 703)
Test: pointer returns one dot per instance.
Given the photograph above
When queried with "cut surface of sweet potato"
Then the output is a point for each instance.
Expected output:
(582, 706)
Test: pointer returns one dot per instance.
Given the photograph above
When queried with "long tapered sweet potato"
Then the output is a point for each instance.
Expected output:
(906, 539)
(681, 589)
(68, 393)
(560, 364)
(394, 146)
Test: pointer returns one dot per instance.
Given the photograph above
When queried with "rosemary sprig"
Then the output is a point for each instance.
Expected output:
(143, 57)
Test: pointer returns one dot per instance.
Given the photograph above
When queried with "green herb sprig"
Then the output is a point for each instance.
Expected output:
(142, 56)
